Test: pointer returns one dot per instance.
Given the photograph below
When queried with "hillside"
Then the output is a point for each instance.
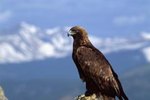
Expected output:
(135, 82)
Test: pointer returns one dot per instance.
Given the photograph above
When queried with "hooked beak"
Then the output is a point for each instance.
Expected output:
(70, 33)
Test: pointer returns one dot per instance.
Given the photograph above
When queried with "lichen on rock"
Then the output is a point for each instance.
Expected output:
(83, 97)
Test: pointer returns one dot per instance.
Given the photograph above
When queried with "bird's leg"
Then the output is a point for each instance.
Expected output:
(91, 88)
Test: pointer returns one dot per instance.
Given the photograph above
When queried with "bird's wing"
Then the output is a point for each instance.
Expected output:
(81, 74)
(96, 67)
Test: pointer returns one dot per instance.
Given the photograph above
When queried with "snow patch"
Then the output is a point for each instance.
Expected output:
(52, 31)
(146, 52)
(46, 50)
(145, 35)
(32, 43)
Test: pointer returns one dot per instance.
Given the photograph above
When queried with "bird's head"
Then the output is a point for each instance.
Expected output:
(77, 32)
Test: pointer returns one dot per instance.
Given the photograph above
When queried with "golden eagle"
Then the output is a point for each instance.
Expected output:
(94, 69)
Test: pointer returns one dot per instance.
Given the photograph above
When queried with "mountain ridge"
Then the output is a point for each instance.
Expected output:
(33, 43)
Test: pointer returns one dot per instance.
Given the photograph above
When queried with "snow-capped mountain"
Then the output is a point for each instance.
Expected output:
(34, 43)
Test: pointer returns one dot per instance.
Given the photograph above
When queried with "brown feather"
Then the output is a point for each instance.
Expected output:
(94, 68)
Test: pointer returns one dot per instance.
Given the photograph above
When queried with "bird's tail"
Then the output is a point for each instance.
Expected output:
(122, 95)
(119, 90)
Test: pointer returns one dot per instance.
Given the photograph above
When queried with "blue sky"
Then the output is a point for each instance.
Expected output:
(100, 17)
(38, 25)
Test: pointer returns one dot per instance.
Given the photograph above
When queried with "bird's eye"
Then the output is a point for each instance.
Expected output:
(77, 31)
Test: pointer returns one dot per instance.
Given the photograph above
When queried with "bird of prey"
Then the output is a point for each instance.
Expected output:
(94, 69)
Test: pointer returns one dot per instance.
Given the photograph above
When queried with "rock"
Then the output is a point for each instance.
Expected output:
(2, 95)
(94, 97)
(83, 97)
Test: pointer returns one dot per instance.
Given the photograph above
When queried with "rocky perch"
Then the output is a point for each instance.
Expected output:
(94, 97)
(83, 97)
(2, 95)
